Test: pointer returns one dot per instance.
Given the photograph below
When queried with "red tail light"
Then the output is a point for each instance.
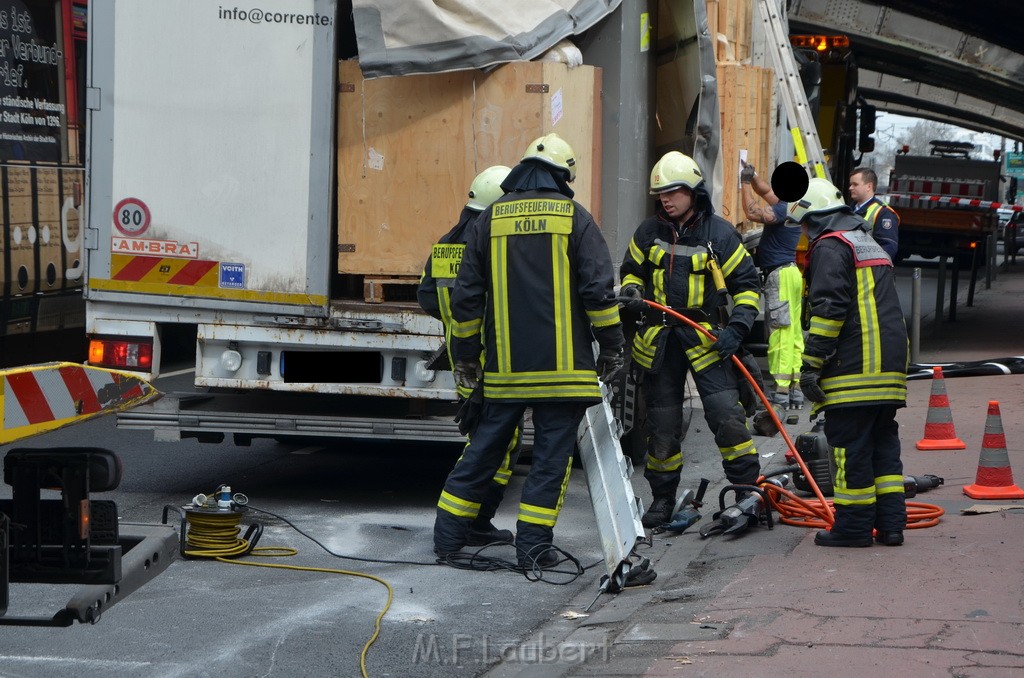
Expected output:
(122, 352)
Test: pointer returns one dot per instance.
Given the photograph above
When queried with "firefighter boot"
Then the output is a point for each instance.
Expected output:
(450, 533)
(852, 527)
(660, 511)
(483, 532)
(533, 545)
(890, 518)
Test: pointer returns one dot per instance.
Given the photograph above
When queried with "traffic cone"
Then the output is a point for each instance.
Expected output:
(939, 433)
(995, 477)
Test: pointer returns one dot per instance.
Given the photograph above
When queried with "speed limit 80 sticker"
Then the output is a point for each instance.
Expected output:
(131, 216)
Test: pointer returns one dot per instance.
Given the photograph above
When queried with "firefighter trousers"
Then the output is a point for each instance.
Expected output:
(496, 488)
(868, 489)
(555, 425)
(718, 387)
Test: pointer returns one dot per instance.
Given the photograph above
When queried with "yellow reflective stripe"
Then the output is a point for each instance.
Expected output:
(736, 451)
(813, 362)
(871, 331)
(604, 317)
(874, 395)
(637, 255)
(502, 476)
(673, 463)
(871, 213)
(701, 357)
(632, 280)
(847, 496)
(747, 298)
(466, 329)
(824, 327)
(888, 484)
(561, 292)
(561, 376)
(734, 260)
(839, 455)
(459, 507)
(695, 293)
(499, 302)
(565, 486)
(850, 381)
(538, 515)
(580, 391)
(658, 278)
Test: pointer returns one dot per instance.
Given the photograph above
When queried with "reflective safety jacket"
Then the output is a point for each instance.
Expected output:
(857, 337)
(674, 267)
(435, 290)
(535, 288)
(885, 224)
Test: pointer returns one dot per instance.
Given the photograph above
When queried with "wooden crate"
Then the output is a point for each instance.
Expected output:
(746, 106)
(22, 272)
(410, 146)
(729, 23)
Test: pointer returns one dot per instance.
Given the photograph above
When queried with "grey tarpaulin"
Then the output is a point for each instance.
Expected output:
(403, 37)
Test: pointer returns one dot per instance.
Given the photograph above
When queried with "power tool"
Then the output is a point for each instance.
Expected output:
(686, 511)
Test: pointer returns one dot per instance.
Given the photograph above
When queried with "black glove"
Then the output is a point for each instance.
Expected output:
(728, 343)
(809, 385)
(632, 297)
(747, 173)
(609, 362)
(468, 415)
(467, 373)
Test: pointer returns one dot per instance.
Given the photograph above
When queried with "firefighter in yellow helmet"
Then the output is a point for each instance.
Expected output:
(854, 366)
(434, 296)
(686, 257)
(535, 288)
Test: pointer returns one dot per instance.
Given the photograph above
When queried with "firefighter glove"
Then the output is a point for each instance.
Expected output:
(468, 373)
(809, 385)
(747, 173)
(609, 362)
(632, 297)
(728, 343)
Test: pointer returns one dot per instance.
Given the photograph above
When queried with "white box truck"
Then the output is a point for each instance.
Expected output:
(215, 216)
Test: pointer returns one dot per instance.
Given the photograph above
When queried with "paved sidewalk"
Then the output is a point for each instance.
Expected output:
(949, 602)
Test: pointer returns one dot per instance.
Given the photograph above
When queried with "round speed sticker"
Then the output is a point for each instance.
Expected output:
(131, 216)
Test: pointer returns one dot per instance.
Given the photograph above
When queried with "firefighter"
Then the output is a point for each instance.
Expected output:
(434, 296)
(854, 366)
(678, 258)
(534, 290)
(884, 222)
(782, 287)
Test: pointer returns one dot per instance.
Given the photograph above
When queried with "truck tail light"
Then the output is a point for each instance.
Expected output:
(122, 352)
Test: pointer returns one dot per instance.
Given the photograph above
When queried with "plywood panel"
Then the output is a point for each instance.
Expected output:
(409, 147)
(745, 100)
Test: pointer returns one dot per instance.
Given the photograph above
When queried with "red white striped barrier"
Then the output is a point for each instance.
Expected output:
(950, 200)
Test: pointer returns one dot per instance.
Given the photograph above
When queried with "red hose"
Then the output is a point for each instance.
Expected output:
(792, 509)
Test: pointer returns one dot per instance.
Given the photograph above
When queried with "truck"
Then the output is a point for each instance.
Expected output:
(938, 196)
(265, 182)
(42, 111)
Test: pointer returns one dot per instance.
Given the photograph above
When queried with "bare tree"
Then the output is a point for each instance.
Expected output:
(919, 136)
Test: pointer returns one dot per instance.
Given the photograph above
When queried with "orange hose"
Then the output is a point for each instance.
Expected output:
(792, 509)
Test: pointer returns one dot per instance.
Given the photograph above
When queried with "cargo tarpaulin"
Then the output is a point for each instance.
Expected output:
(402, 37)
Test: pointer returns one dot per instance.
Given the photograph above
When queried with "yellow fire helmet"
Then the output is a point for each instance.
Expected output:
(822, 197)
(486, 187)
(553, 150)
(673, 171)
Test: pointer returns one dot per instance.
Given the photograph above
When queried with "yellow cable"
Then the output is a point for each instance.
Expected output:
(215, 535)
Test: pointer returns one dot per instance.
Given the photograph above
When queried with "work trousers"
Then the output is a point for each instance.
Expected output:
(555, 425)
(868, 490)
(496, 488)
(783, 293)
(717, 386)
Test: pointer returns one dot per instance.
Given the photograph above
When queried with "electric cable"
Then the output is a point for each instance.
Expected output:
(792, 509)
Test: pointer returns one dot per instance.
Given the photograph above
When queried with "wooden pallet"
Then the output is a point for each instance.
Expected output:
(394, 288)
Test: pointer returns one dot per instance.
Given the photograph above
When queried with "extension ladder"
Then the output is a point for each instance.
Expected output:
(798, 111)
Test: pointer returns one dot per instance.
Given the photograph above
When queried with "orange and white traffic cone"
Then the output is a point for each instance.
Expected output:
(995, 477)
(939, 432)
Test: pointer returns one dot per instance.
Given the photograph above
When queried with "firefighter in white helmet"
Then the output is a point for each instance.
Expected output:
(535, 289)
(434, 295)
(854, 366)
(689, 259)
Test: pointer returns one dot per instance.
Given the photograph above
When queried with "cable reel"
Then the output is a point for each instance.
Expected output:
(210, 526)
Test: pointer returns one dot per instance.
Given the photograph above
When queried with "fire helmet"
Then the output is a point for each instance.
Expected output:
(673, 171)
(553, 150)
(822, 197)
(486, 187)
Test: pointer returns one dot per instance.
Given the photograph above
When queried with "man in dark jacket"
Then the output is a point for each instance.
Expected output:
(884, 222)
(534, 290)
(688, 258)
(854, 367)
(434, 295)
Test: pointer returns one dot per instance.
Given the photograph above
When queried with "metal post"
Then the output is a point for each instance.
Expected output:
(940, 292)
(990, 256)
(915, 315)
